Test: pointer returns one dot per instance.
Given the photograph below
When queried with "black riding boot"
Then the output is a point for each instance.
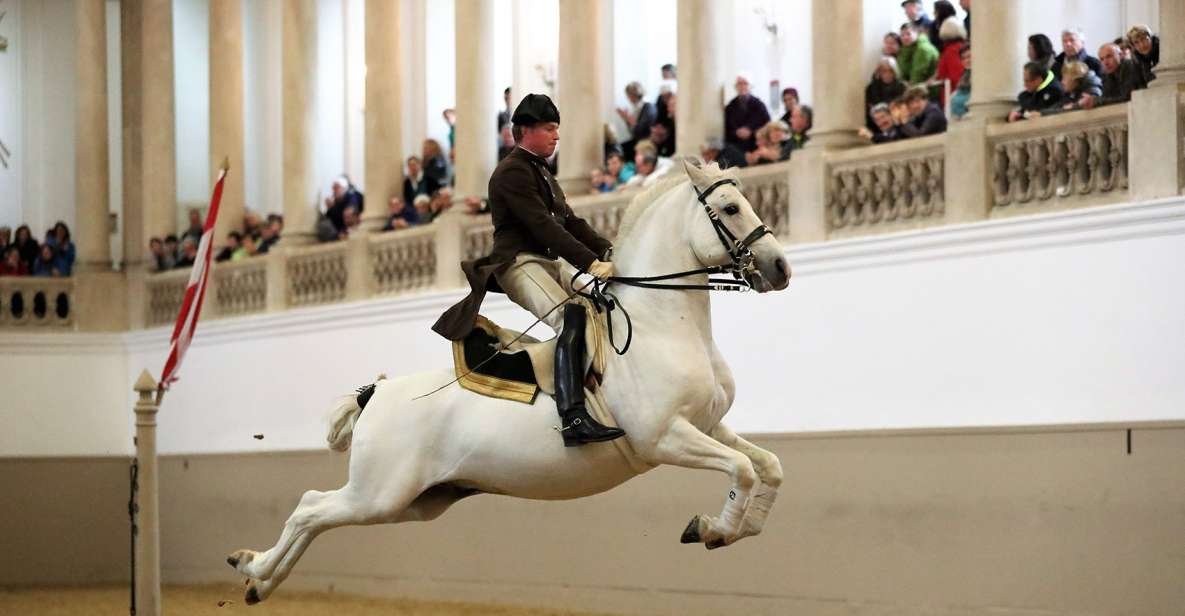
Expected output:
(578, 428)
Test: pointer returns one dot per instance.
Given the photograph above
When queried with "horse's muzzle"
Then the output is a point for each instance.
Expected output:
(772, 276)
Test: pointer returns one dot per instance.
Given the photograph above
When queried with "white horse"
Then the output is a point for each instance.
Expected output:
(413, 458)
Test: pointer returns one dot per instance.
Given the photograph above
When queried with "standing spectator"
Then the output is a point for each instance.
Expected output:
(194, 230)
(1074, 48)
(891, 45)
(962, 93)
(188, 253)
(450, 118)
(925, 118)
(1145, 50)
(663, 140)
(639, 117)
(505, 141)
(743, 116)
(234, 240)
(1120, 78)
(801, 121)
(416, 182)
(668, 72)
(789, 102)
(5, 239)
(26, 246)
(886, 130)
(966, 4)
(400, 215)
(504, 115)
(1041, 51)
(59, 238)
(12, 264)
(1042, 93)
(917, 16)
(345, 195)
(943, 11)
(950, 64)
(664, 105)
(918, 60)
(170, 251)
(885, 86)
(157, 248)
(435, 163)
(1079, 81)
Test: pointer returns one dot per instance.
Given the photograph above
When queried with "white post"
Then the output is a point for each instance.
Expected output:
(581, 92)
(148, 516)
(477, 98)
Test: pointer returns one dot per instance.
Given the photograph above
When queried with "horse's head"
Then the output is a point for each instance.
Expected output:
(729, 231)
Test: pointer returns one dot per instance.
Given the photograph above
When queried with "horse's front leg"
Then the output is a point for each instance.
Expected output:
(769, 471)
(685, 445)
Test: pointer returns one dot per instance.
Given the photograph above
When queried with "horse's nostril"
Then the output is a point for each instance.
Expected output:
(781, 265)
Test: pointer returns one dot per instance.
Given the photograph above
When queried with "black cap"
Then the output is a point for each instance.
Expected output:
(535, 109)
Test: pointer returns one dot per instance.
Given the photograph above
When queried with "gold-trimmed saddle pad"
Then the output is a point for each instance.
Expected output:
(509, 375)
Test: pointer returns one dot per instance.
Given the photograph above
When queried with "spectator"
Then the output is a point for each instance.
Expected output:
(157, 249)
(171, 251)
(639, 117)
(886, 130)
(26, 246)
(441, 201)
(1042, 92)
(194, 230)
(5, 240)
(353, 218)
(663, 140)
(668, 72)
(962, 93)
(505, 141)
(416, 182)
(1041, 50)
(918, 60)
(950, 64)
(774, 144)
(270, 233)
(1120, 79)
(504, 115)
(647, 164)
(12, 264)
(801, 121)
(917, 17)
(1145, 50)
(966, 4)
(249, 248)
(234, 241)
(423, 207)
(616, 166)
(1079, 81)
(789, 102)
(450, 118)
(251, 223)
(1074, 48)
(891, 46)
(601, 181)
(885, 86)
(46, 263)
(710, 152)
(943, 11)
(436, 165)
(59, 238)
(475, 206)
(345, 195)
(925, 118)
(743, 116)
(664, 106)
(188, 253)
(400, 215)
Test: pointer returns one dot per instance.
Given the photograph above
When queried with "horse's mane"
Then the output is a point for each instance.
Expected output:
(674, 178)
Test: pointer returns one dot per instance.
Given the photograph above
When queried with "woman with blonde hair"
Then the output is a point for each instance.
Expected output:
(1145, 49)
(885, 86)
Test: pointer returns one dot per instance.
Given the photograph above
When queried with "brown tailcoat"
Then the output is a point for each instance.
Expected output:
(530, 214)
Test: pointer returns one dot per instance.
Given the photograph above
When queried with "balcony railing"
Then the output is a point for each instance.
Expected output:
(36, 303)
(889, 187)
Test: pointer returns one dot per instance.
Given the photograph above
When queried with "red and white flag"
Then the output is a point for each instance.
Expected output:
(195, 291)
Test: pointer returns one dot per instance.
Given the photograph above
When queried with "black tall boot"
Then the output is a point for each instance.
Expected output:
(578, 427)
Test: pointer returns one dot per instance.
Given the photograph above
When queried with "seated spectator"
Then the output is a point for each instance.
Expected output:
(638, 117)
(1079, 81)
(891, 45)
(171, 251)
(188, 253)
(773, 144)
(46, 263)
(5, 239)
(270, 234)
(400, 215)
(59, 238)
(1041, 51)
(648, 165)
(789, 102)
(12, 265)
(345, 195)
(1074, 48)
(962, 93)
(918, 60)
(743, 116)
(944, 11)
(886, 130)
(441, 201)
(195, 226)
(950, 63)
(436, 165)
(416, 182)
(423, 206)
(26, 246)
(249, 248)
(710, 151)
(1042, 93)
(234, 241)
(663, 140)
(1120, 79)
(157, 249)
(801, 122)
(885, 86)
(601, 181)
(925, 118)
(1145, 50)
(616, 166)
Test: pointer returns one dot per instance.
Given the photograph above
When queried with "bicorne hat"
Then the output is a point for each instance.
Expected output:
(535, 109)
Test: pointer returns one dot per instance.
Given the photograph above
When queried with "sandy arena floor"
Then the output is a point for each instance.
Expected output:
(192, 600)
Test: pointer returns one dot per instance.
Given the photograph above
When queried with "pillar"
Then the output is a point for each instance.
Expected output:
(996, 80)
(226, 111)
(91, 200)
(298, 77)
(699, 112)
(837, 81)
(581, 92)
(478, 98)
(384, 110)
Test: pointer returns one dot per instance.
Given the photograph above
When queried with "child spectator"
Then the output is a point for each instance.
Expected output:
(1042, 93)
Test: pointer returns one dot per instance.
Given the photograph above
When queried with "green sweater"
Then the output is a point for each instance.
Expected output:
(918, 62)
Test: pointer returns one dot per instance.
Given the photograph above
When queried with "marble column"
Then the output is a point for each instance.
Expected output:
(1171, 70)
(226, 111)
(149, 140)
(699, 111)
(1156, 137)
(414, 83)
(91, 184)
(384, 110)
(996, 80)
(837, 81)
(581, 92)
(478, 97)
(298, 77)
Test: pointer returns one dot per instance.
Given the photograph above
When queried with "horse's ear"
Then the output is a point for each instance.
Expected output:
(695, 170)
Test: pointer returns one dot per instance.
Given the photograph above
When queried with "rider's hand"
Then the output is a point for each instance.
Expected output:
(602, 270)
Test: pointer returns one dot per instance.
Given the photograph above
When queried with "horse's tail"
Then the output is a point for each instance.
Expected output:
(345, 415)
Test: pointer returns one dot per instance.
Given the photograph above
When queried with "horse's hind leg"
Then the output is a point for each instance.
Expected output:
(769, 471)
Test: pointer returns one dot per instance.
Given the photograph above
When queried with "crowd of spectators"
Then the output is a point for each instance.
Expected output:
(23, 255)
(256, 237)
(925, 73)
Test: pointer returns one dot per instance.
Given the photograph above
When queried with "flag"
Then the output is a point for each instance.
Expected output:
(195, 291)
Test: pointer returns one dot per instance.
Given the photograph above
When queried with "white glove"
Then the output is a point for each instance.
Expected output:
(602, 270)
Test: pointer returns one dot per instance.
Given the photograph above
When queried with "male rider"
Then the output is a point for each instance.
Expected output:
(532, 226)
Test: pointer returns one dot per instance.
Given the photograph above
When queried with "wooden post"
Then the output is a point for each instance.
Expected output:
(148, 516)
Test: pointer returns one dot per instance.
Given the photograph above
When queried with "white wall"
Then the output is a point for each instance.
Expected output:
(644, 39)
(772, 42)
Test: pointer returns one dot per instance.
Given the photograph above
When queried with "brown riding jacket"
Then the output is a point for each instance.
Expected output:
(531, 215)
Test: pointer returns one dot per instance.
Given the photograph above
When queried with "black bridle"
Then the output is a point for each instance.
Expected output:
(742, 267)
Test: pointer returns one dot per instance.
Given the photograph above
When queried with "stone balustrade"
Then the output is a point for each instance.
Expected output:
(36, 302)
(1058, 162)
(888, 187)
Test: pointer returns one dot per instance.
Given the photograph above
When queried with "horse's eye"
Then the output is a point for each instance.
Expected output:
(731, 209)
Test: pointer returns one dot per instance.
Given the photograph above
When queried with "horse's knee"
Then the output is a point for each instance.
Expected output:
(743, 474)
(770, 469)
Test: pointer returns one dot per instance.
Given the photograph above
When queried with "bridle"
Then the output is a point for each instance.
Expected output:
(742, 267)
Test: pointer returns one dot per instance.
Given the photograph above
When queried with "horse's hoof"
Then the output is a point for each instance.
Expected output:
(240, 558)
(715, 543)
(233, 561)
(252, 596)
(691, 533)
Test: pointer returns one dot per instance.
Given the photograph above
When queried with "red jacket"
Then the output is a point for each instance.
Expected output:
(950, 66)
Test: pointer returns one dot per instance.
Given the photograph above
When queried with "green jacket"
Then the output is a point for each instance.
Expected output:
(918, 62)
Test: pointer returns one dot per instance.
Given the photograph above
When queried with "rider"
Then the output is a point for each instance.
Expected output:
(532, 226)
